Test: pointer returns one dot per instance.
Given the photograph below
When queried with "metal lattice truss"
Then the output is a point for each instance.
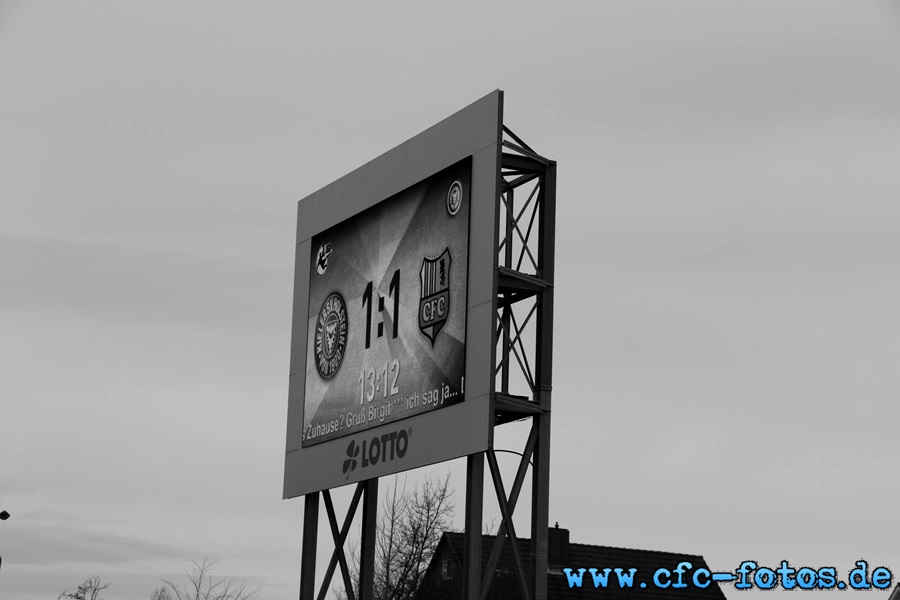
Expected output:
(525, 265)
(367, 491)
(526, 208)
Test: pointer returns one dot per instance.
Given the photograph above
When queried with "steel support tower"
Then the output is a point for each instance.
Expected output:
(524, 275)
(522, 355)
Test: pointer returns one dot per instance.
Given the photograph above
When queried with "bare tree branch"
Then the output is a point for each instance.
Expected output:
(89, 590)
(409, 528)
(203, 587)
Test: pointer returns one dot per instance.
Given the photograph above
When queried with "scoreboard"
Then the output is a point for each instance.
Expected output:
(393, 342)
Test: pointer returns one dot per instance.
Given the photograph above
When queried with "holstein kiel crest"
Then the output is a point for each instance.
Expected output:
(331, 335)
(435, 303)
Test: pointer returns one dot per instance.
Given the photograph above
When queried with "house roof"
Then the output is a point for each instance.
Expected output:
(504, 585)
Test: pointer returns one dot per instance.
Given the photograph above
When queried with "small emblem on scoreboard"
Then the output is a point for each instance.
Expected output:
(331, 335)
(434, 305)
(454, 198)
(322, 258)
(352, 454)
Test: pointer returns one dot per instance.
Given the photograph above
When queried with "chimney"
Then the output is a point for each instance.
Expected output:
(558, 547)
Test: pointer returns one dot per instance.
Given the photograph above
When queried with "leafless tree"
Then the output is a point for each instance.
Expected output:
(89, 590)
(202, 586)
(408, 530)
(161, 593)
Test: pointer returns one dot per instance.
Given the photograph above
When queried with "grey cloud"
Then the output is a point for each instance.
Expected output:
(62, 541)
(115, 282)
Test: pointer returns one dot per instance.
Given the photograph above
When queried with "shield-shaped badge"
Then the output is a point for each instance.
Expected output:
(435, 303)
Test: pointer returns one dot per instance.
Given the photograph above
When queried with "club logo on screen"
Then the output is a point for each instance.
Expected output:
(331, 335)
(322, 258)
(434, 305)
(454, 198)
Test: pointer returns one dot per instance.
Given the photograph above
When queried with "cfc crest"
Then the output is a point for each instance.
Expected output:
(435, 303)
(331, 335)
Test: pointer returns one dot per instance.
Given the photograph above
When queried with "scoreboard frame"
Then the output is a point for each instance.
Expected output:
(460, 429)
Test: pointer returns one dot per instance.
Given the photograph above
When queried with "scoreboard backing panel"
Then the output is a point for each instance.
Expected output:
(391, 349)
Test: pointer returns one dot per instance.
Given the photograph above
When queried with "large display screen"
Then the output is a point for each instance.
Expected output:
(387, 310)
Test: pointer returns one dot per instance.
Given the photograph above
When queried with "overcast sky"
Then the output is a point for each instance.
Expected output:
(727, 334)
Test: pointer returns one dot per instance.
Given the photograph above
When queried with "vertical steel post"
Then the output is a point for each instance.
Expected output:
(540, 507)
(369, 532)
(474, 516)
(507, 310)
(308, 552)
